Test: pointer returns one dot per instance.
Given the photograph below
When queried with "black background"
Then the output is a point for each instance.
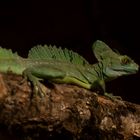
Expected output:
(75, 24)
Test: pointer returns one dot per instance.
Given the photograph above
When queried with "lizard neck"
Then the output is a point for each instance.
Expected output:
(99, 70)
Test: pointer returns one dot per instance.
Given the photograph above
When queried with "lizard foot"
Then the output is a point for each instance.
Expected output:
(112, 97)
(23, 80)
(39, 89)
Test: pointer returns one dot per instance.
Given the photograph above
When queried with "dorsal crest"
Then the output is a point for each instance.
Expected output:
(7, 54)
(53, 53)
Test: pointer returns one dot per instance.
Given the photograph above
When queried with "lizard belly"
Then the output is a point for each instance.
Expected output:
(73, 80)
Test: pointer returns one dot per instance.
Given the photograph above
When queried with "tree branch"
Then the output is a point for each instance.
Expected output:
(65, 111)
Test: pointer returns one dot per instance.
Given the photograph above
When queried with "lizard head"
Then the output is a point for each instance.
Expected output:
(122, 65)
(114, 64)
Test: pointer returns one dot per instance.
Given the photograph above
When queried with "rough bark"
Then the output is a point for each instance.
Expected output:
(64, 112)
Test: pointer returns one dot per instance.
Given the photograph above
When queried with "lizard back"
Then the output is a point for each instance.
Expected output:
(53, 53)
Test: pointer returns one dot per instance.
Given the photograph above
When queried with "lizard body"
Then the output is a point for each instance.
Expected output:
(66, 66)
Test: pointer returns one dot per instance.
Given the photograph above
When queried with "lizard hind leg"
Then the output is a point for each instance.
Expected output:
(38, 73)
(38, 87)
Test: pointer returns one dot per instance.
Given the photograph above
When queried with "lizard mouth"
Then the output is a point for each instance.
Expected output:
(126, 69)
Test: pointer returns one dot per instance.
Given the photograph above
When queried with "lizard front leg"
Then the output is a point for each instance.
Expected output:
(99, 86)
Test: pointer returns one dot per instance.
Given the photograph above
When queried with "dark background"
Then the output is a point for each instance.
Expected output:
(75, 24)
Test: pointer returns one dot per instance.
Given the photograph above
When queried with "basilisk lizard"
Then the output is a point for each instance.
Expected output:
(65, 66)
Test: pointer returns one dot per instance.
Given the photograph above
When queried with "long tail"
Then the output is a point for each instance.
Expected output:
(7, 54)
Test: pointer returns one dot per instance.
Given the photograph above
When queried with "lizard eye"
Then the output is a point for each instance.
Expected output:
(125, 60)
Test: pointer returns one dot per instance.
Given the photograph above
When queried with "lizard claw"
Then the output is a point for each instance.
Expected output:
(39, 89)
(112, 97)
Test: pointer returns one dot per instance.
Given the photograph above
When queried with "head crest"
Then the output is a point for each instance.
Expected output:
(102, 50)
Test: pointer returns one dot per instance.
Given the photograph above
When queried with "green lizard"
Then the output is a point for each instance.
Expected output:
(65, 66)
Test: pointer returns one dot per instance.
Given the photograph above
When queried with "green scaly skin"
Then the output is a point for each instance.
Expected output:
(64, 66)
